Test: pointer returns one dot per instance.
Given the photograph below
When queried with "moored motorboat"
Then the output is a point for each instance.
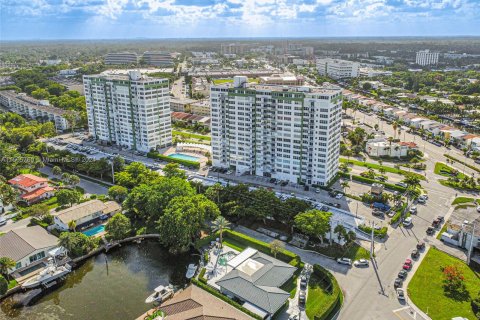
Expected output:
(192, 268)
(161, 293)
(47, 275)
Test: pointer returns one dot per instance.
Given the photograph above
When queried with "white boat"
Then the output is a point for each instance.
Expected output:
(192, 268)
(160, 294)
(47, 275)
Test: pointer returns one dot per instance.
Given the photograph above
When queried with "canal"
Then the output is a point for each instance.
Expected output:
(115, 290)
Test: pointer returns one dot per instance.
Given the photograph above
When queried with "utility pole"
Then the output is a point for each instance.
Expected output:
(371, 241)
(113, 172)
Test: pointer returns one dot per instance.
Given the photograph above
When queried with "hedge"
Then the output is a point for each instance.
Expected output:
(224, 298)
(398, 215)
(382, 233)
(370, 181)
(201, 276)
(156, 155)
(191, 135)
(327, 276)
(462, 162)
(261, 246)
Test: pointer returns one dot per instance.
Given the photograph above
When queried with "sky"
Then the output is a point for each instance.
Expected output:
(130, 19)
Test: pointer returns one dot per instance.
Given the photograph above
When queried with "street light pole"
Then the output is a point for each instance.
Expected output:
(113, 172)
(471, 245)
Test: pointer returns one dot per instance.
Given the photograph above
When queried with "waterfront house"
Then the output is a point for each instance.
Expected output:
(32, 188)
(27, 246)
(195, 303)
(380, 147)
(85, 214)
(255, 279)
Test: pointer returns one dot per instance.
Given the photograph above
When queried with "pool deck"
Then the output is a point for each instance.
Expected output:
(96, 235)
(200, 156)
(216, 274)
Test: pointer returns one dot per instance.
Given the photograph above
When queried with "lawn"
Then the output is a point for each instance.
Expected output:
(353, 251)
(444, 170)
(378, 167)
(426, 287)
(191, 135)
(460, 200)
(221, 81)
(12, 283)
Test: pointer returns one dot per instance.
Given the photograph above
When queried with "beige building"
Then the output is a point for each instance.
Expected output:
(180, 104)
(200, 108)
(286, 80)
(85, 213)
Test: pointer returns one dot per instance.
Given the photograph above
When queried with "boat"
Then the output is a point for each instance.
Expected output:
(161, 293)
(47, 275)
(192, 268)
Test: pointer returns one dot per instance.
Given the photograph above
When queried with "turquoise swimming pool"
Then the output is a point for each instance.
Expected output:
(95, 230)
(182, 156)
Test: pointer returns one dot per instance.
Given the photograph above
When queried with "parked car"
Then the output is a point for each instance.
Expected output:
(415, 254)
(339, 196)
(421, 245)
(398, 283)
(408, 261)
(361, 263)
(401, 184)
(421, 200)
(440, 218)
(407, 267)
(413, 210)
(430, 230)
(402, 274)
(400, 294)
(407, 222)
(345, 261)
(317, 190)
(301, 299)
(377, 213)
(3, 221)
(303, 283)
(436, 223)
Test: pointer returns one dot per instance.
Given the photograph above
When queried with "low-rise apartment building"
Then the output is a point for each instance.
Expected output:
(31, 108)
(118, 58)
(338, 69)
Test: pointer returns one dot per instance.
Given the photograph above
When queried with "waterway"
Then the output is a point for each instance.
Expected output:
(112, 286)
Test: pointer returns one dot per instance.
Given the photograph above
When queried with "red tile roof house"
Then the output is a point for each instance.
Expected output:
(32, 188)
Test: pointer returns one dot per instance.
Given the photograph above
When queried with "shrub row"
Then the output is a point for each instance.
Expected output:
(462, 162)
(324, 274)
(398, 215)
(156, 155)
(201, 276)
(378, 166)
(382, 233)
(224, 298)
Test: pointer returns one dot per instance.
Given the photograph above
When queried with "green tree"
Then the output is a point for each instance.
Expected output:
(67, 196)
(265, 204)
(292, 207)
(3, 285)
(118, 193)
(72, 225)
(341, 232)
(76, 243)
(39, 210)
(220, 224)
(118, 227)
(276, 246)
(56, 89)
(56, 171)
(74, 180)
(40, 94)
(8, 195)
(314, 223)
(118, 164)
(183, 220)
(173, 170)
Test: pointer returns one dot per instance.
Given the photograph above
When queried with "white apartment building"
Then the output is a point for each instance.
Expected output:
(425, 58)
(338, 69)
(285, 132)
(131, 111)
(29, 107)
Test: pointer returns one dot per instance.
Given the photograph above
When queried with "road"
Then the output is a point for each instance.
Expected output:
(89, 186)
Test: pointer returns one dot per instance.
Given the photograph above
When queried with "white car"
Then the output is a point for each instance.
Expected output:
(361, 263)
(3, 221)
(339, 196)
(345, 261)
(407, 222)
(413, 209)
(478, 209)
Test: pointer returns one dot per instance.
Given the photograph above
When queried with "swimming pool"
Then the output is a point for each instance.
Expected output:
(182, 156)
(95, 230)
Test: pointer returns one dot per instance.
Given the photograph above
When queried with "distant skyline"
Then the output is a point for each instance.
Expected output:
(130, 19)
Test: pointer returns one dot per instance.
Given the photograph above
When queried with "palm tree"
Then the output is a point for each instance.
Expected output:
(345, 185)
(395, 127)
(72, 225)
(6, 263)
(220, 224)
